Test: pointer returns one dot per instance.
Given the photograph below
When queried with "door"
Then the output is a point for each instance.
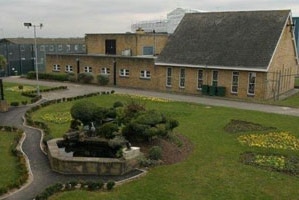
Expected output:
(110, 46)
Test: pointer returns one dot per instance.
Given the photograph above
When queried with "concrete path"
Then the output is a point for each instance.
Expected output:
(42, 174)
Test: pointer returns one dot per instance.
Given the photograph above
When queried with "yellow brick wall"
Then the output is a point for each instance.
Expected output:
(96, 42)
(283, 66)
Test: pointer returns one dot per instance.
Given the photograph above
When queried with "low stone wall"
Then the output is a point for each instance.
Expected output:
(64, 164)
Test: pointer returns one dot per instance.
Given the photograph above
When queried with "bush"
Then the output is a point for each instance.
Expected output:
(85, 77)
(108, 129)
(155, 153)
(110, 185)
(83, 111)
(14, 103)
(103, 79)
(118, 104)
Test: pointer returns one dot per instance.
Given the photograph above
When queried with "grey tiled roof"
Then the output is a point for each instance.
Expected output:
(244, 39)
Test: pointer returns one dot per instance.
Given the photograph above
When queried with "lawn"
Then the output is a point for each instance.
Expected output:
(12, 93)
(213, 170)
(9, 168)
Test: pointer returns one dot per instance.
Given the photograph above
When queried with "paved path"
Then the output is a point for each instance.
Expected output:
(42, 174)
(77, 89)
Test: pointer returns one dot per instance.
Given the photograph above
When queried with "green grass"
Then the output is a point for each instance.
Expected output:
(9, 170)
(212, 171)
(13, 94)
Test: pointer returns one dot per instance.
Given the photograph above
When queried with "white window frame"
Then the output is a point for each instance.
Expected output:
(235, 82)
(182, 78)
(60, 47)
(42, 48)
(87, 69)
(56, 68)
(105, 70)
(251, 83)
(68, 47)
(51, 47)
(199, 79)
(145, 74)
(69, 68)
(215, 75)
(168, 77)
(124, 72)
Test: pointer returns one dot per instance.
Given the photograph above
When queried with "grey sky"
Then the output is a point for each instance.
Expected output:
(74, 18)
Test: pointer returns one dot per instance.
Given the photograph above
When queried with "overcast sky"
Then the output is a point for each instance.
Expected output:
(75, 18)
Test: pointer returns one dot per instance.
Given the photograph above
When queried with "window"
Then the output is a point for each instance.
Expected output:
(182, 78)
(105, 70)
(235, 82)
(87, 69)
(168, 77)
(56, 68)
(199, 79)
(68, 68)
(76, 47)
(42, 48)
(148, 50)
(22, 47)
(60, 47)
(215, 78)
(251, 83)
(145, 74)
(83, 47)
(68, 48)
(124, 72)
(51, 48)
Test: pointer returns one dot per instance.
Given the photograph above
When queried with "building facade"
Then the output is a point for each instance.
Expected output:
(244, 55)
(20, 53)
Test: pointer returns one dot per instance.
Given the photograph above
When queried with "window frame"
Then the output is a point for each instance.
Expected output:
(105, 70)
(145, 74)
(88, 69)
(169, 76)
(124, 72)
(235, 82)
(69, 69)
(200, 79)
(182, 78)
(56, 68)
(251, 83)
(215, 73)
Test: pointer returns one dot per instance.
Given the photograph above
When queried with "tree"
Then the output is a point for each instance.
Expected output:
(3, 62)
(83, 111)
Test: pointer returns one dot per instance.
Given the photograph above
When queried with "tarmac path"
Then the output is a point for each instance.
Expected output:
(43, 176)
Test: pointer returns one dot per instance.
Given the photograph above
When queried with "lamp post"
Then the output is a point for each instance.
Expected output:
(35, 52)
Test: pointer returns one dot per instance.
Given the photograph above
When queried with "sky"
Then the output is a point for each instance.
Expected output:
(75, 18)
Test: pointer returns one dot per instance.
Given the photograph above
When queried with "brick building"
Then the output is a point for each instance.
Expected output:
(248, 54)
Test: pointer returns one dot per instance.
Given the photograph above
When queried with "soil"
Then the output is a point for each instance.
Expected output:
(171, 152)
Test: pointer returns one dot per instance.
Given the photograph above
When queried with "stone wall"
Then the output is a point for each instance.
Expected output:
(85, 165)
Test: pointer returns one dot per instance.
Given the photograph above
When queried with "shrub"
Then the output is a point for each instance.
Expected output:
(85, 77)
(155, 153)
(110, 185)
(83, 111)
(108, 129)
(14, 103)
(103, 79)
(118, 104)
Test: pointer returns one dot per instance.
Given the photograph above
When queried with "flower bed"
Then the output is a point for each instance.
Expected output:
(57, 117)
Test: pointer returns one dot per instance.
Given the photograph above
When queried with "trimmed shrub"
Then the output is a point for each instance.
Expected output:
(108, 129)
(85, 77)
(155, 153)
(103, 79)
(14, 103)
(83, 111)
(110, 185)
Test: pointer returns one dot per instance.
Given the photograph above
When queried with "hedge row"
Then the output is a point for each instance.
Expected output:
(34, 97)
(49, 76)
(72, 185)
(20, 158)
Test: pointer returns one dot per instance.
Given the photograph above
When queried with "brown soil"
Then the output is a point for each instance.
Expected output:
(171, 152)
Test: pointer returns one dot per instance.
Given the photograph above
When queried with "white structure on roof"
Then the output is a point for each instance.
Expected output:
(165, 25)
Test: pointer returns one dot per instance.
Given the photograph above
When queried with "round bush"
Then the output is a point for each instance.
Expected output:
(103, 79)
(85, 77)
(155, 153)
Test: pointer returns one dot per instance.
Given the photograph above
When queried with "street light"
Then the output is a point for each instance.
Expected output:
(35, 52)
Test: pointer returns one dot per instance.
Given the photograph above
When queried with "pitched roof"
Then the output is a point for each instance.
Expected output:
(44, 40)
(244, 39)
